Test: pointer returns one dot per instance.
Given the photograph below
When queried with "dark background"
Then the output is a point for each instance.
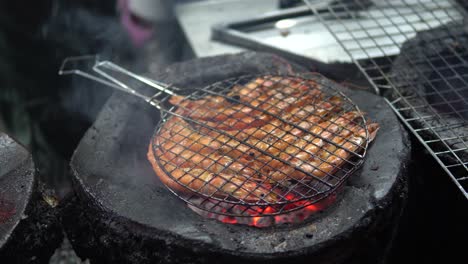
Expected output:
(49, 113)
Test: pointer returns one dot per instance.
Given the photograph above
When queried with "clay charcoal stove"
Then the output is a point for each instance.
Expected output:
(431, 73)
(123, 213)
(27, 220)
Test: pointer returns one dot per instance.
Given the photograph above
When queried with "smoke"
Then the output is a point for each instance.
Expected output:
(75, 32)
(50, 113)
(47, 112)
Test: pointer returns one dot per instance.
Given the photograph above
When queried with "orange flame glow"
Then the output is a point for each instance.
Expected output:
(264, 216)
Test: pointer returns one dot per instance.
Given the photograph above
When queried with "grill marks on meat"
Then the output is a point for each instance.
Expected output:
(273, 132)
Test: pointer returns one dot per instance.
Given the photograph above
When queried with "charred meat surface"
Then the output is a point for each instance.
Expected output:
(275, 132)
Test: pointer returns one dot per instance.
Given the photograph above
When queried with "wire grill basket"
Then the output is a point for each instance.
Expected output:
(251, 145)
(414, 52)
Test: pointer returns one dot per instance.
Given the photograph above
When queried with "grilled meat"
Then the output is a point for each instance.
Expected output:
(273, 132)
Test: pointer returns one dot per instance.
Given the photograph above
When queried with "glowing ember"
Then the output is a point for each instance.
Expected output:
(263, 216)
(7, 210)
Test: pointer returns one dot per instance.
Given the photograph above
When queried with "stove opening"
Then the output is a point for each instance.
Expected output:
(262, 216)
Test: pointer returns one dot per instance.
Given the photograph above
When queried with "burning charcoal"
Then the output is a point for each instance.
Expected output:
(123, 213)
(29, 227)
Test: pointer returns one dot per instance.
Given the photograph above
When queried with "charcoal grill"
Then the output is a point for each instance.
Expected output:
(122, 212)
(334, 125)
(426, 85)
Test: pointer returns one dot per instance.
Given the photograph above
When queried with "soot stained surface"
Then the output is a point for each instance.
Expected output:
(113, 176)
(16, 181)
(29, 227)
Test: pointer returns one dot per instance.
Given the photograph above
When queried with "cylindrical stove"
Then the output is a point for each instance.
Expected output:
(122, 212)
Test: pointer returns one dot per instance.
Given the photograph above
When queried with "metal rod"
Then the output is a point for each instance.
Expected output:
(107, 79)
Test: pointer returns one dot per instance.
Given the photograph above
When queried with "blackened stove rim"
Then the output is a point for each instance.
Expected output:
(25, 165)
(143, 230)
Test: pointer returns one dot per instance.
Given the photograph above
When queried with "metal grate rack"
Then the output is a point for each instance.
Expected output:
(415, 53)
(284, 153)
(265, 191)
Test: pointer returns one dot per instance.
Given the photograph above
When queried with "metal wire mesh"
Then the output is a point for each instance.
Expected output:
(257, 146)
(247, 146)
(426, 83)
